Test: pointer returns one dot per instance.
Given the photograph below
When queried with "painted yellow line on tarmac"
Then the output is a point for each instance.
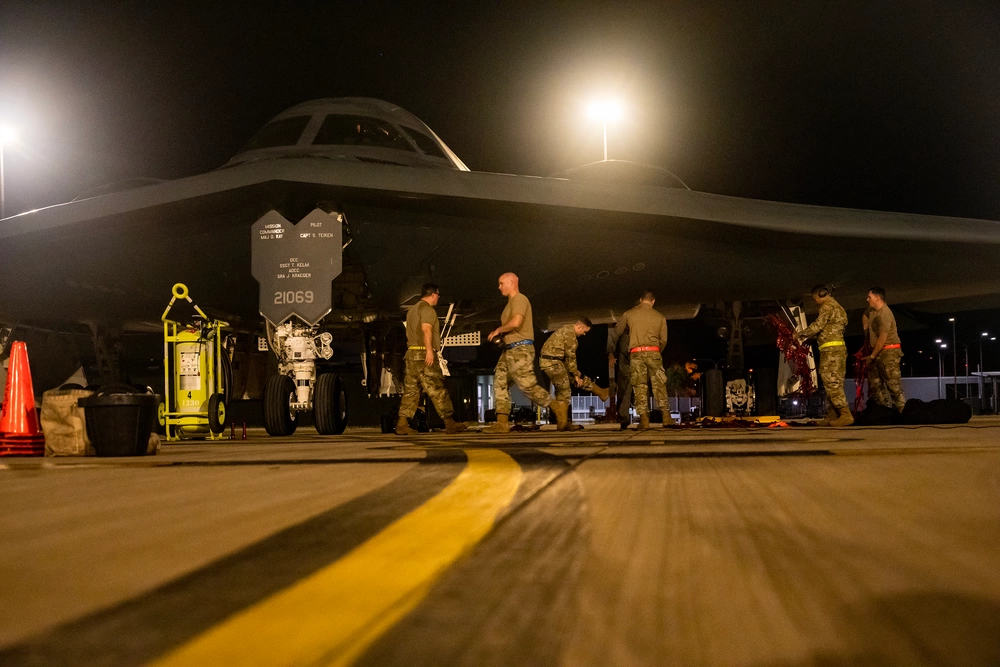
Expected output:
(334, 615)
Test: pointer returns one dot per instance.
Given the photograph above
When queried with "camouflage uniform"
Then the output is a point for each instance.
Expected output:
(884, 377)
(517, 361)
(646, 368)
(647, 328)
(618, 346)
(558, 361)
(418, 373)
(832, 351)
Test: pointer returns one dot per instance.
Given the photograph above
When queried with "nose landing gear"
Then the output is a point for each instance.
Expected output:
(297, 388)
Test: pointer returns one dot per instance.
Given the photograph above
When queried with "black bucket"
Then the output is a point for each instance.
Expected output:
(120, 424)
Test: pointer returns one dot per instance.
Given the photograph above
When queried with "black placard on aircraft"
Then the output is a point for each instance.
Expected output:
(295, 264)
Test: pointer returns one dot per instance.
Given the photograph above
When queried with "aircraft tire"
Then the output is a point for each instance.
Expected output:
(279, 420)
(330, 405)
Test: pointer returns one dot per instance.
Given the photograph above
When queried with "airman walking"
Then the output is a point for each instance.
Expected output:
(558, 361)
(517, 360)
(619, 358)
(647, 338)
(884, 377)
(829, 326)
(423, 340)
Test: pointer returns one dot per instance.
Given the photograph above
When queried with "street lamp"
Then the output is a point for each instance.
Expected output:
(966, 346)
(7, 136)
(985, 336)
(941, 346)
(605, 110)
(981, 385)
(954, 347)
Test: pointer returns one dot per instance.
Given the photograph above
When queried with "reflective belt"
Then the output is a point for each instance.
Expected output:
(416, 347)
(895, 346)
(644, 348)
(520, 343)
(832, 343)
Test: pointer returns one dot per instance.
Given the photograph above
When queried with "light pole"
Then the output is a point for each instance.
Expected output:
(941, 345)
(954, 351)
(985, 335)
(7, 136)
(994, 397)
(605, 110)
(966, 346)
(604, 123)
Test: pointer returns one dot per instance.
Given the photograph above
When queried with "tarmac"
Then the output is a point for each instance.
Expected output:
(768, 546)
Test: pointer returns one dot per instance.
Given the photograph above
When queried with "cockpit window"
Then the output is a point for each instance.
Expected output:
(425, 143)
(360, 131)
(284, 132)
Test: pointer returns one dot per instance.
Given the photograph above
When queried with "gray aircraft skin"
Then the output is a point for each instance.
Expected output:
(414, 212)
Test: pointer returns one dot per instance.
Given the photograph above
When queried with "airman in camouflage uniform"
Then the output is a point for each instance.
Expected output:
(832, 354)
(619, 356)
(423, 340)
(884, 377)
(517, 361)
(558, 361)
(647, 338)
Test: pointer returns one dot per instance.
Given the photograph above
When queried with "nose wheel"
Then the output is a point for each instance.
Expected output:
(330, 405)
(279, 417)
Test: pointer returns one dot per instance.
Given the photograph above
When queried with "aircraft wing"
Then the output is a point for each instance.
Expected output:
(577, 246)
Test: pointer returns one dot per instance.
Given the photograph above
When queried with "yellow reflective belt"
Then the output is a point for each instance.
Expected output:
(421, 347)
(832, 343)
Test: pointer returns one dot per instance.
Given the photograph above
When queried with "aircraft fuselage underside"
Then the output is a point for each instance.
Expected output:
(116, 272)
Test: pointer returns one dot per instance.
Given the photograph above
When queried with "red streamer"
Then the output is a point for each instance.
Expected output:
(796, 353)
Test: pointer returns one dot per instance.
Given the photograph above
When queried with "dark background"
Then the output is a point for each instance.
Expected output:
(873, 105)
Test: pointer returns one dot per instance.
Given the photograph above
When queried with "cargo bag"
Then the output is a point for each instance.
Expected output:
(63, 423)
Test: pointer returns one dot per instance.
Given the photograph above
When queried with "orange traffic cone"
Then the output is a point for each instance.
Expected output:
(19, 431)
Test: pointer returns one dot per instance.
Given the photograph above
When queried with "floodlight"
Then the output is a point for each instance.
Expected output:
(605, 110)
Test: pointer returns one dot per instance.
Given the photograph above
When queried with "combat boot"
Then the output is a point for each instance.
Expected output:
(403, 427)
(643, 423)
(561, 411)
(845, 418)
(502, 425)
(831, 416)
(451, 426)
(602, 393)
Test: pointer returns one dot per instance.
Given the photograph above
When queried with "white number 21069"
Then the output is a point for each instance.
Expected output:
(285, 298)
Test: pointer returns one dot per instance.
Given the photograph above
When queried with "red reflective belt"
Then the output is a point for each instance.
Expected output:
(891, 347)
(645, 348)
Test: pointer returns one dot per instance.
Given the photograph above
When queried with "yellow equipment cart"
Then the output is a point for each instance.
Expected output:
(194, 365)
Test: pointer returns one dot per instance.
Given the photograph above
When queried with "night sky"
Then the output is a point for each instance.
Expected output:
(846, 103)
